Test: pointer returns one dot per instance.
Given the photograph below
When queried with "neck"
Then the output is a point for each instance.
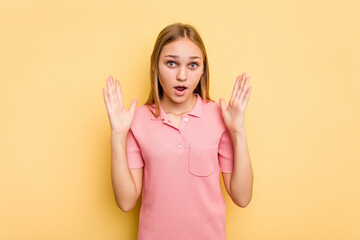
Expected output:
(176, 108)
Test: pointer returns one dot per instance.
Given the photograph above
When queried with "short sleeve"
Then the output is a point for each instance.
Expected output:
(226, 153)
(134, 156)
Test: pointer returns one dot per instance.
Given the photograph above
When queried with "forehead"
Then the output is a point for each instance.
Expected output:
(183, 48)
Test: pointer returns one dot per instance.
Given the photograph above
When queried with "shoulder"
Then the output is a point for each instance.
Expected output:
(141, 120)
(141, 109)
(212, 112)
(142, 113)
(212, 107)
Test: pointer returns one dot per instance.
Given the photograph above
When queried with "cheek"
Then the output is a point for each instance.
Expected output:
(164, 77)
(197, 75)
(165, 73)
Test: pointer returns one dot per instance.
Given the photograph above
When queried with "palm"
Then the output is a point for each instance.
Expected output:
(233, 114)
(120, 118)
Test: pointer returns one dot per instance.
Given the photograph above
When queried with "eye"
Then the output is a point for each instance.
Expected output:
(194, 65)
(171, 64)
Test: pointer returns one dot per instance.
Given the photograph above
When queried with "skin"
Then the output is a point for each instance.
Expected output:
(239, 183)
(183, 67)
(183, 70)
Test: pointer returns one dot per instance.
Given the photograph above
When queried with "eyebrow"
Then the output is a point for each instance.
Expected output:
(175, 56)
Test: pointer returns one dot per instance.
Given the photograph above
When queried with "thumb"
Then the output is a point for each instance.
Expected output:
(133, 106)
(222, 104)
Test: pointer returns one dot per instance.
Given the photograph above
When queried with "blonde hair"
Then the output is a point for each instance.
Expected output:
(167, 35)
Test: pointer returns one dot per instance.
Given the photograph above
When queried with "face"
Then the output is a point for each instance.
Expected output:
(180, 68)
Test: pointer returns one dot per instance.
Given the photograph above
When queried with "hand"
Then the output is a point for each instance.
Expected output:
(233, 114)
(120, 119)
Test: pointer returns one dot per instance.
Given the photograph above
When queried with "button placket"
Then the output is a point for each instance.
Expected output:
(180, 143)
(180, 138)
(184, 122)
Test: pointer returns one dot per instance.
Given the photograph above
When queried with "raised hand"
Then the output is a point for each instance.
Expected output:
(120, 119)
(233, 114)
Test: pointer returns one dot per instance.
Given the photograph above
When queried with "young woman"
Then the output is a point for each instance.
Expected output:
(172, 148)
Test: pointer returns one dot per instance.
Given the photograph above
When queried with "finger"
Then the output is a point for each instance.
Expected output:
(247, 96)
(133, 106)
(108, 83)
(118, 91)
(111, 90)
(106, 97)
(223, 107)
(222, 104)
(245, 89)
(238, 92)
(235, 87)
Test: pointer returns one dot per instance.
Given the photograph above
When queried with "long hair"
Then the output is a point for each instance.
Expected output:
(169, 34)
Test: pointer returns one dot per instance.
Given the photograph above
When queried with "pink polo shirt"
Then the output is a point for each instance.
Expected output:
(181, 194)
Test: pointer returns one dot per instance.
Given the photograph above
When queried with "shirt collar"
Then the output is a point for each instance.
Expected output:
(196, 111)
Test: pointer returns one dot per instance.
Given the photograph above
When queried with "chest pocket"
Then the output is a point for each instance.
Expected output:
(202, 160)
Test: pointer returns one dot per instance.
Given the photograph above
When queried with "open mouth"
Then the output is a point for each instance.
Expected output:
(180, 88)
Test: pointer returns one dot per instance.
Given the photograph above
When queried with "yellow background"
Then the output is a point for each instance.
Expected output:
(302, 119)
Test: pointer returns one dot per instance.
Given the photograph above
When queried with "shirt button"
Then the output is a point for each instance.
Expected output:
(179, 146)
(186, 119)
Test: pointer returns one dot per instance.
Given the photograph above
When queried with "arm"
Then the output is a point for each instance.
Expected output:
(239, 183)
(126, 183)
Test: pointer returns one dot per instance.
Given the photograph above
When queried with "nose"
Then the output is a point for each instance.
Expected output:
(181, 74)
